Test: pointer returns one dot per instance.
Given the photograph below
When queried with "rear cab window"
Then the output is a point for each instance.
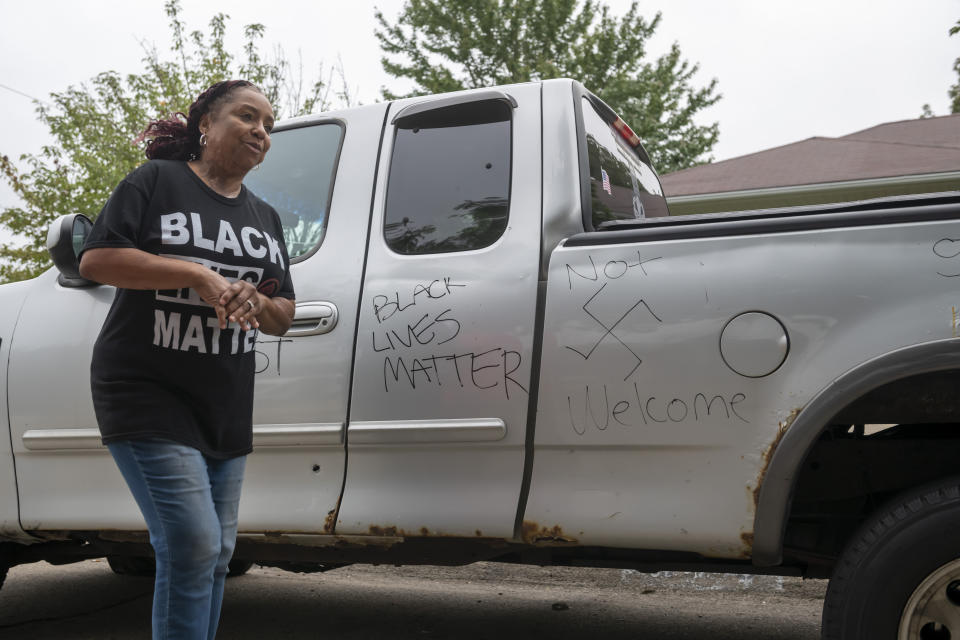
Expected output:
(297, 180)
(449, 184)
(622, 182)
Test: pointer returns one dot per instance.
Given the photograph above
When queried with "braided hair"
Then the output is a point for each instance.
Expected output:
(178, 136)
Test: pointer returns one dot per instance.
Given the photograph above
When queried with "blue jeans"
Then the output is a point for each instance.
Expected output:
(190, 504)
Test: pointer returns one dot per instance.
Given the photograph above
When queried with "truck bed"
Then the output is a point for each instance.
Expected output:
(893, 210)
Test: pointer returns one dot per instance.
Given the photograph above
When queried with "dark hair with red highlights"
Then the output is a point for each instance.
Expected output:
(178, 137)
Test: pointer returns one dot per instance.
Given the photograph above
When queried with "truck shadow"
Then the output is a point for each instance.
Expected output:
(87, 601)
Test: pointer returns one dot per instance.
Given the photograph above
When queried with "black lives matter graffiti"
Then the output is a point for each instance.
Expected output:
(597, 407)
(415, 331)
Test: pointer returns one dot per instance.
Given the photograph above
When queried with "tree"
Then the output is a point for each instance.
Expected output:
(448, 45)
(94, 126)
(954, 91)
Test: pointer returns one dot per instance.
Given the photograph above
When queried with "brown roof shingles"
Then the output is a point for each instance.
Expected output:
(929, 145)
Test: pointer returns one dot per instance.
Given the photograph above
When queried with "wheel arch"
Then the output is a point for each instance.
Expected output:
(779, 481)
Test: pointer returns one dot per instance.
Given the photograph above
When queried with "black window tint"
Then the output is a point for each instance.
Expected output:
(622, 185)
(449, 186)
(296, 179)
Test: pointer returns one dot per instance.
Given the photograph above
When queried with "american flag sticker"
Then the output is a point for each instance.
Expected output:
(606, 181)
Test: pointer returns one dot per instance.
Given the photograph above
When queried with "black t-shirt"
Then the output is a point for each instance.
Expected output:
(162, 367)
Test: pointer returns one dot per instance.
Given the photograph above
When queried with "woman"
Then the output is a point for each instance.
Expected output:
(200, 268)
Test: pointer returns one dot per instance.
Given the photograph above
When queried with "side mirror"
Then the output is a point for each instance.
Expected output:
(65, 238)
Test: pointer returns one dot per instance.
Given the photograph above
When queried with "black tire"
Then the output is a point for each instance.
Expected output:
(140, 566)
(3, 574)
(237, 567)
(907, 552)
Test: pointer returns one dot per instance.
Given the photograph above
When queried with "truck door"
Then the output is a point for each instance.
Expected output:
(67, 480)
(295, 474)
(441, 377)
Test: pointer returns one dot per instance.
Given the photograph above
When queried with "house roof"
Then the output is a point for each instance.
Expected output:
(908, 147)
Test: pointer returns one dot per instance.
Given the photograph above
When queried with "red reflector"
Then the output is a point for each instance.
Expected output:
(626, 132)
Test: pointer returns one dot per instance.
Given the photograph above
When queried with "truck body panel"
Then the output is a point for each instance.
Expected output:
(64, 477)
(11, 300)
(642, 342)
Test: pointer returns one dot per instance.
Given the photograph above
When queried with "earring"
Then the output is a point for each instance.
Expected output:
(257, 168)
(203, 139)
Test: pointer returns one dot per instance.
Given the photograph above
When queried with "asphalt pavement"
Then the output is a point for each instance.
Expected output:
(483, 601)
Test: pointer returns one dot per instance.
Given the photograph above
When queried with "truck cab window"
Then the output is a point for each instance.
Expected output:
(622, 185)
(449, 185)
(296, 179)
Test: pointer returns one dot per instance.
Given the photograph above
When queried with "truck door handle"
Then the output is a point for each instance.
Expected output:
(313, 318)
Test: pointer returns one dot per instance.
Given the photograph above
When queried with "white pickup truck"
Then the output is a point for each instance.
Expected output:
(506, 349)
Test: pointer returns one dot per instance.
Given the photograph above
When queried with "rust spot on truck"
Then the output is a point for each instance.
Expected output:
(335, 541)
(753, 489)
(391, 531)
(782, 428)
(533, 533)
(422, 532)
(330, 521)
(746, 537)
(397, 532)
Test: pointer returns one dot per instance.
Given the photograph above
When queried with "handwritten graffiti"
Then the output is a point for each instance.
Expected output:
(611, 327)
(616, 316)
(598, 305)
(612, 269)
(440, 328)
(409, 343)
(490, 369)
(596, 408)
(386, 306)
(264, 361)
(948, 249)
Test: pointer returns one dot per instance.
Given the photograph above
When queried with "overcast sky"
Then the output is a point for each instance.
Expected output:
(787, 70)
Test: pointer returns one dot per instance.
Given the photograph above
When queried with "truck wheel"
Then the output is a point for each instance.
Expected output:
(238, 568)
(132, 565)
(899, 576)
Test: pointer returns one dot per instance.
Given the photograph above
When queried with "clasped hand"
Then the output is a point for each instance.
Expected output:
(234, 301)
